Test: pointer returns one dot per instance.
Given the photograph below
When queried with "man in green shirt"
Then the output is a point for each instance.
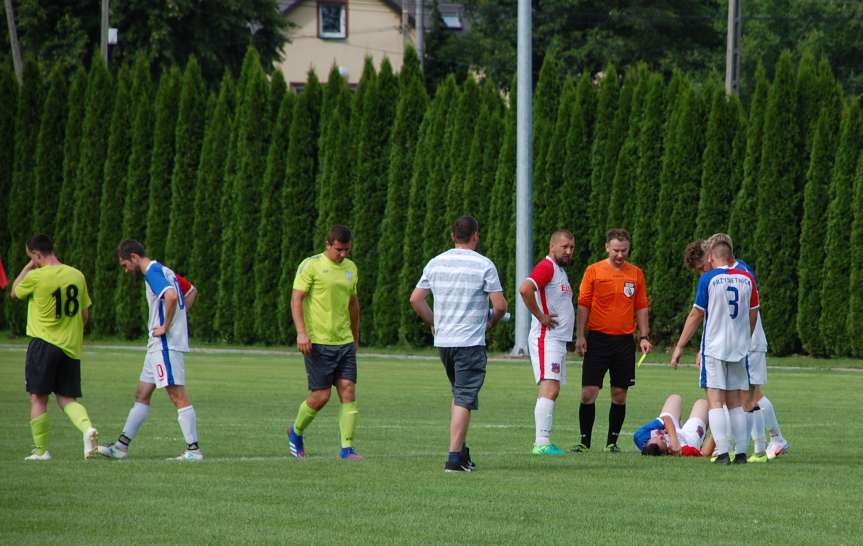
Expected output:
(57, 307)
(326, 312)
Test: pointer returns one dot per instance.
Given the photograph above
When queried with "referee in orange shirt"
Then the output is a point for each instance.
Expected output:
(612, 298)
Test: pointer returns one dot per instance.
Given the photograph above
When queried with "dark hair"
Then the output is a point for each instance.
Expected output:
(40, 243)
(339, 233)
(129, 247)
(464, 227)
(694, 254)
(652, 450)
(561, 233)
(619, 234)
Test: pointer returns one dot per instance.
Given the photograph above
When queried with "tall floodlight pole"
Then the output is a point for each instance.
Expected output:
(420, 28)
(732, 47)
(13, 41)
(104, 30)
(524, 172)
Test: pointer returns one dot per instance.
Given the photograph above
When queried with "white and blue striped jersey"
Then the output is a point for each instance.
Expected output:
(460, 281)
(158, 279)
(759, 338)
(726, 294)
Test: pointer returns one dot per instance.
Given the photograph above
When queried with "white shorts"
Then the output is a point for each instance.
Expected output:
(549, 360)
(692, 432)
(164, 368)
(724, 375)
(757, 363)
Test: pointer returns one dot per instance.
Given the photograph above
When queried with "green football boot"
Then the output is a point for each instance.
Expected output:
(547, 449)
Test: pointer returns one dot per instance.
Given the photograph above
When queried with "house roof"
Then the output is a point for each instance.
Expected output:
(447, 9)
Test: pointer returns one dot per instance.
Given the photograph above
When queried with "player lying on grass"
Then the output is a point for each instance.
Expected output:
(665, 436)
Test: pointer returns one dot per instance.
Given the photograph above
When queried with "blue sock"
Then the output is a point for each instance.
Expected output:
(454, 456)
(345, 451)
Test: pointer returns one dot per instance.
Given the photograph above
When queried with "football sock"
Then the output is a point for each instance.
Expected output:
(347, 423)
(586, 416)
(39, 429)
(719, 425)
(454, 456)
(750, 420)
(137, 415)
(616, 415)
(188, 424)
(758, 436)
(78, 415)
(737, 420)
(305, 416)
(543, 414)
(770, 421)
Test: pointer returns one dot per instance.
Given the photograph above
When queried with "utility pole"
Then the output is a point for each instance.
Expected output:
(524, 172)
(732, 49)
(418, 17)
(406, 23)
(13, 41)
(104, 30)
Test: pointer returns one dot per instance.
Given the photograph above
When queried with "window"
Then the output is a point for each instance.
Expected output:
(332, 20)
(452, 22)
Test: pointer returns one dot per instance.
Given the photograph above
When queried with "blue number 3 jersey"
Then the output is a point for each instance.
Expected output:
(726, 295)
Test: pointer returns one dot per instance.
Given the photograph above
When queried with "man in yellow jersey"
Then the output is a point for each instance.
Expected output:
(326, 312)
(57, 304)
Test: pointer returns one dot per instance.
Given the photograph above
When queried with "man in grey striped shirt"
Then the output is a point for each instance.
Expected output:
(462, 282)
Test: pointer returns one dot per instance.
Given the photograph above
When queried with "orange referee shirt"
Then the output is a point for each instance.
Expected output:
(612, 296)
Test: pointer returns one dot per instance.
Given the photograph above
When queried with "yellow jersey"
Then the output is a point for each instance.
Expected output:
(329, 287)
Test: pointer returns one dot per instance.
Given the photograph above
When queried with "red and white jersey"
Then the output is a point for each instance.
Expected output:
(554, 297)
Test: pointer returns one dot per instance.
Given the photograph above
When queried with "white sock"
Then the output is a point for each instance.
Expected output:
(750, 420)
(737, 419)
(188, 424)
(137, 415)
(718, 421)
(758, 436)
(769, 414)
(543, 413)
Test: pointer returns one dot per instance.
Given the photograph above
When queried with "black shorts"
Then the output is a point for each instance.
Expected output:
(327, 363)
(49, 369)
(465, 368)
(608, 353)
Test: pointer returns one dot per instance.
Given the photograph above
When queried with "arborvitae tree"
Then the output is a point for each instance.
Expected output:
(616, 138)
(278, 88)
(811, 92)
(409, 113)
(332, 91)
(113, 196)
(436, 225)
(745, 203)
(836, 272)
(621, 203)
(855, 297)
(252, 147)
(367, 82)
(546, 106)
(270, 227)
(127, 297)
(486, 137)
(187, 152)
(223, 319)
(680, 180)
(600, 180)
(162, 162)
(573, 210)
(71, 153)
(298, 195)
(547, 214)
(8, 96)
(646, 193)
(777, 230)
(370, 182)
(458, 151)
(207, 229)
(20, 212)
(491, 153)
(719, 184)
(49, 155)
(335, 195)
(813, 229)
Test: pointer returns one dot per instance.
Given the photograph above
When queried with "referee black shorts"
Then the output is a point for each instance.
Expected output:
(609, 353)
(50, 370)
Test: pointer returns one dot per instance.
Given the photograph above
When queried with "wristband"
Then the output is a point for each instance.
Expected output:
(644, 338)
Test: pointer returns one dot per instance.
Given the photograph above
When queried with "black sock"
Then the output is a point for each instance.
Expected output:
(193, 446)
(616, 415)
(586, 416)
(125, 440)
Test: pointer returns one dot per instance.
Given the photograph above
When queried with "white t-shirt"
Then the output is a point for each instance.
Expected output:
(759, 338)
(460, 281)
(554, 297)
(726, 294)
(159, 279)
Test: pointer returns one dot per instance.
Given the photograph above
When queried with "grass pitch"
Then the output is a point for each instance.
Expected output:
(249, 491)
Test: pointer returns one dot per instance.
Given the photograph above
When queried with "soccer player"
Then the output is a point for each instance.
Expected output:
(57, 307)
(462, 282)
(665, 436)
(726, 300)
(164, 365)
(548, 296)
(612, 299)
(326, 312)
